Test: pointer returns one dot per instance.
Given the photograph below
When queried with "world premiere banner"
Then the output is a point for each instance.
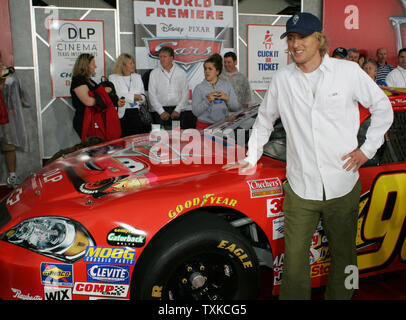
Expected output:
(195, 29)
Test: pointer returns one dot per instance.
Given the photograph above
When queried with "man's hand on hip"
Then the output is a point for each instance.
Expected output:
(355, 160)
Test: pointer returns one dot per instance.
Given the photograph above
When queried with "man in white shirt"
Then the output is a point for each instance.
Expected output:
(397, 77)
(317, 100)
(168, 92)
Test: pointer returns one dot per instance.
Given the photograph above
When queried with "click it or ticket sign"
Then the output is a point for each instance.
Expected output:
(267, 53)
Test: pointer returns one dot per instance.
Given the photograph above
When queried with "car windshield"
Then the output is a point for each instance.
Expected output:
(239, 131)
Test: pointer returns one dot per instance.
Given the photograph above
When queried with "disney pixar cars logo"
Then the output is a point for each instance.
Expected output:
(187, 51)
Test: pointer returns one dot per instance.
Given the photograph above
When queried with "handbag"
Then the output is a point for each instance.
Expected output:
(108, 84)
(145, 115)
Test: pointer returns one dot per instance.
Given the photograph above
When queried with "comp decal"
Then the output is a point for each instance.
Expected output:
(101, 289)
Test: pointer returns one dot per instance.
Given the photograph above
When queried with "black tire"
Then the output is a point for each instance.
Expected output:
(198, 257)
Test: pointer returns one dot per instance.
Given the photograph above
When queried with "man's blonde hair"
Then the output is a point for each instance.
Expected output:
(121, 62)
(323, 43)
(81, 67)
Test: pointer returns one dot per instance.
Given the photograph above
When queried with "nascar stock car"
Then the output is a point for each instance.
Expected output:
(155, 216)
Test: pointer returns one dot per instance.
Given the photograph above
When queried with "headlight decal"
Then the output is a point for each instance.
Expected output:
(56, 237)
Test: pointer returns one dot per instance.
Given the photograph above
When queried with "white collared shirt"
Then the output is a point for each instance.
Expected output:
(127, 87)
(168, 89)
(396, 78)
(322, 127)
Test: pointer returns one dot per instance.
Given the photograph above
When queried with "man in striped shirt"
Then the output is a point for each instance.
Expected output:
(383, 67)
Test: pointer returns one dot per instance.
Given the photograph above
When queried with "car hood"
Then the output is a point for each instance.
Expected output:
(130, 165)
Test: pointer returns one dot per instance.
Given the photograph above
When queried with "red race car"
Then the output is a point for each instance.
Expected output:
(156, 217)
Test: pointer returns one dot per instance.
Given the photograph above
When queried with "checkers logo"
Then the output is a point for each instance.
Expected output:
(265, 187)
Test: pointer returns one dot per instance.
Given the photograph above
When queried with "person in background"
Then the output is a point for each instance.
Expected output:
(168, 92)
(371, 68)
(129, 86)
(362, 57)
(82, 83)
(317, 97)
(213, 98)
(13, 133)
(340, 53)
(383, 66)
(353, 54)
(397, 77)
(237, 79)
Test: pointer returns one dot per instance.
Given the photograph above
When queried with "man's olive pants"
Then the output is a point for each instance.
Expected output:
(339, 220)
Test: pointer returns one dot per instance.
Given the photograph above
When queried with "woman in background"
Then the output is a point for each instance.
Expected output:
(129, 85)
(371, 68)
(213, 97)
(82, 83)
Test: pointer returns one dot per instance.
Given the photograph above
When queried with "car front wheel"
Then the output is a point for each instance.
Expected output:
(199, 257)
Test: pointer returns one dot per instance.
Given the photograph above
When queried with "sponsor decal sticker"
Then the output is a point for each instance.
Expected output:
(278, 230)
(123, 256)
(128, 237)
(101, 289)
(57, 274)
(265, 187)
(24, 295)
(108, 273)
(274, 207)
(57, 293)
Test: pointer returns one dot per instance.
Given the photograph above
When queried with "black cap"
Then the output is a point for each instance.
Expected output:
(340, 51)
(303, 23)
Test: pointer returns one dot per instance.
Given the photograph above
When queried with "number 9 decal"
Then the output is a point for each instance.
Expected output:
(384, 221)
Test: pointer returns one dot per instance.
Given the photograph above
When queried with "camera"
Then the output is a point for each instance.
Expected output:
(6, 71)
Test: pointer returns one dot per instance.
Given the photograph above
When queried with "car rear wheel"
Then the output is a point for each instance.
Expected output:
(199, 257)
